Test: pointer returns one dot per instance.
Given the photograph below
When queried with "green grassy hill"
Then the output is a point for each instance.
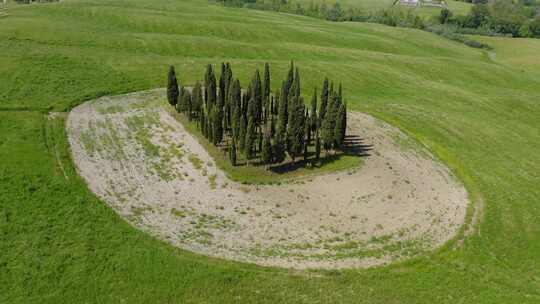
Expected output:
(60, 244)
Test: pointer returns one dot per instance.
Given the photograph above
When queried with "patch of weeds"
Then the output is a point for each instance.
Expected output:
(212, 180)
(178, 213)
(195, 161)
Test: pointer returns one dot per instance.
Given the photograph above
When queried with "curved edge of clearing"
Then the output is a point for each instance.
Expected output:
(141, 161)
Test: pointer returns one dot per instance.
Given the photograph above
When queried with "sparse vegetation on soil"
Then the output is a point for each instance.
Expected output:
(303, 224)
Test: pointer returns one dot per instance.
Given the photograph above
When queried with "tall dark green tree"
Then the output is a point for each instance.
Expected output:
(340, 93)
(210, 87)
(197, 99)
(242, 133)
(324, 100)
(313, 112)
(250, 139)
(278, 148)
(232, 153)
(222, 84)
(266, 149)
(339, 128)
(235, 97)
(282, 113)
(172, 87)
(327, 132)
(295, 128)
(290, 78)
(307, 129)
(266, 91)
(257, 98)
(317, 147)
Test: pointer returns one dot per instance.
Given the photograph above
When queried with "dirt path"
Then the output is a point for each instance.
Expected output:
(142, 162)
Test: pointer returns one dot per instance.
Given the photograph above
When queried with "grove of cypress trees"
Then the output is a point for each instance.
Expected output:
(258, 124)
(172, 87)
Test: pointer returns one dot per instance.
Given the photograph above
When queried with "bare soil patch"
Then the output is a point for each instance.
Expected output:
(135, 156)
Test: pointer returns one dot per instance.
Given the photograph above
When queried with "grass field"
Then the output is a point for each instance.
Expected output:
(59, 244)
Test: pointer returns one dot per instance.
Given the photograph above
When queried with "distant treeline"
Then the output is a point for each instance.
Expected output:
(36, 1)
(258, 125)
(495, 17)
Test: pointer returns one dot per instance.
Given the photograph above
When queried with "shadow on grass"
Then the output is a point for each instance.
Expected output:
(352, 146)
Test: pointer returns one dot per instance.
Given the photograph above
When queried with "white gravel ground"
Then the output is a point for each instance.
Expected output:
(142, 162)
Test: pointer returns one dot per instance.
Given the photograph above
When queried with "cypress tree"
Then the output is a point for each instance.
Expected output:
(282, 113)
(344, 122)
(242, 133)
(278, 149)
(296, 91)
(324, 100)
(202, 119)
(313, 113)
(210, 87)
(197, 99)
(187, 103)
(295, 128)
(327, 131)
(235, 101)
(210, 125)
(250, 139)
(266, 83)
(339, 126)
(275, 105)
(232, 153)
(257, 98)
(289, 80)
(172, 87)
(317, 147)
(260, 138)
(307, 128)
(340, 93)
(266, 149)
(222, 79)
(180, 101)
(217, 121)
(294, 96)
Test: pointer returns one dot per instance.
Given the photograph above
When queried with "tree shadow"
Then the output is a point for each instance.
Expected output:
(353, 145)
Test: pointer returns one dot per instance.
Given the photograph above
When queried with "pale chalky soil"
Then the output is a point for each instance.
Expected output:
(142, 162)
